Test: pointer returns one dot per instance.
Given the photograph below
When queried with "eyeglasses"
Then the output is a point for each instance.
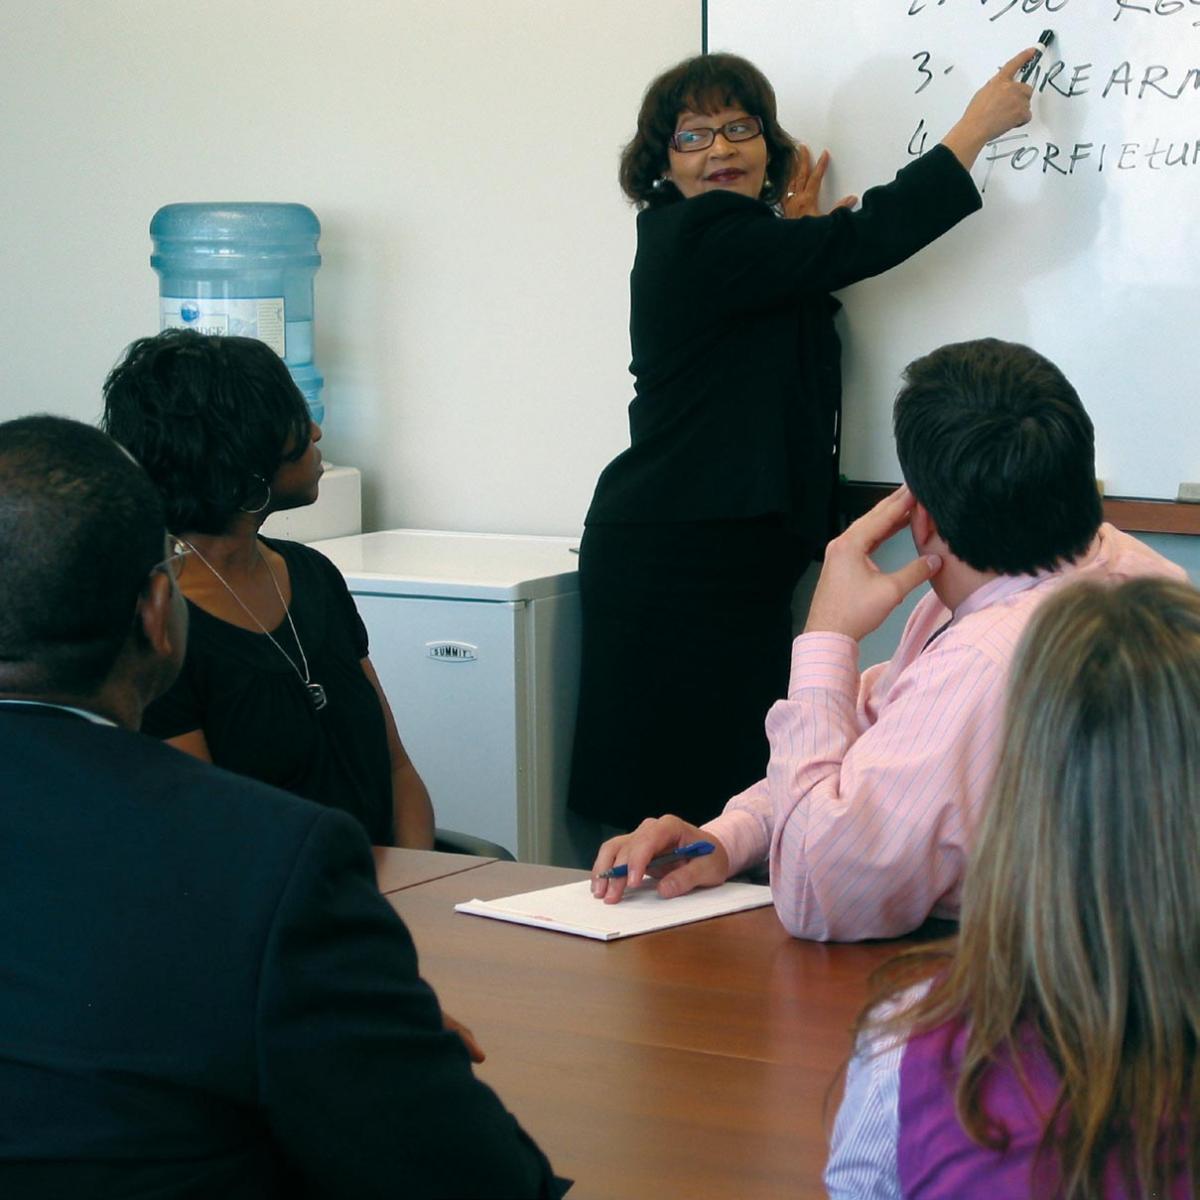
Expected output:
(173, 563)
(741, 130)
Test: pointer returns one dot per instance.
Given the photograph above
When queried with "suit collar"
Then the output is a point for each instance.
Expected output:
(45, 708)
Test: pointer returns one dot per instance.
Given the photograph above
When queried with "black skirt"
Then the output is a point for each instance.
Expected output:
(687, 633)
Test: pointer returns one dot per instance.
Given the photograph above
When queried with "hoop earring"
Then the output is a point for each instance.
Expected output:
(266, 499)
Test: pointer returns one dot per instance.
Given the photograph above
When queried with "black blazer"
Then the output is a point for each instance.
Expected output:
(736, 360)
(202, 993)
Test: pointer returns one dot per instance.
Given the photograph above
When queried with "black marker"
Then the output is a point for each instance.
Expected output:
(1043, 45)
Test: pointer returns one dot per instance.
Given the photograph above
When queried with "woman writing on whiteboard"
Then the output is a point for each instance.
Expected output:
(698, 533)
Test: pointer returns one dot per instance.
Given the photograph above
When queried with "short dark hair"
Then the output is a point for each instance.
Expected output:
(208, 417)
(81, 527)
(703, 84)
(994, 441)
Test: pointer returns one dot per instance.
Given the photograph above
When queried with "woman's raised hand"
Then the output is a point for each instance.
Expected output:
(1000, 105)
(802, 196)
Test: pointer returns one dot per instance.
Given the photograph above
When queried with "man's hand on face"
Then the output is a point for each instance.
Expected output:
(853, 595)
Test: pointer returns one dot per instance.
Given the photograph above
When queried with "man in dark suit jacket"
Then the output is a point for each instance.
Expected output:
(202, 993)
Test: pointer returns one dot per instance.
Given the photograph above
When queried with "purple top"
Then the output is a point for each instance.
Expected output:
(935, 1157)
(898, 1136)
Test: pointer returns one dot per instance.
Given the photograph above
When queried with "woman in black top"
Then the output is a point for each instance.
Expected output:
(698, 533)
(276, 683)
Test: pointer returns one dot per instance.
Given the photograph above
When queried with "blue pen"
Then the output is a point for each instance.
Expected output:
(692, 850)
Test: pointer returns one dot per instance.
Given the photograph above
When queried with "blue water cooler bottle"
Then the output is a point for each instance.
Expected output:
(244, 269)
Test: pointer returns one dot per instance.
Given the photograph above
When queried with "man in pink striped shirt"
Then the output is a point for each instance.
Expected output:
(876, 778)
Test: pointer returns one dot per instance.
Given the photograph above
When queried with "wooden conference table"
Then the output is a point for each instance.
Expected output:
(396, 870)
(693, 1062)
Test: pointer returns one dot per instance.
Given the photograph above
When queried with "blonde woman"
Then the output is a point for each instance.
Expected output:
(1051, 1050)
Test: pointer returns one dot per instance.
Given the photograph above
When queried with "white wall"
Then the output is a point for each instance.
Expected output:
(472, 306)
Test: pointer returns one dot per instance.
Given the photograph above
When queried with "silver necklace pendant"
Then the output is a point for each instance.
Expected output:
(316, 693)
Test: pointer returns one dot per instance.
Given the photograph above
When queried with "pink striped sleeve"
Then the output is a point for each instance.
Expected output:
(870, 825)
(744, 827)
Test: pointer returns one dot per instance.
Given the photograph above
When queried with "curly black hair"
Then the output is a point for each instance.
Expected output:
(210, 418)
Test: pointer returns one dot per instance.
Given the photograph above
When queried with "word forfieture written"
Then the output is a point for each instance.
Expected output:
(1020, 152)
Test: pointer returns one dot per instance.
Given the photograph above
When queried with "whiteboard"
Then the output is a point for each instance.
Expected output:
(1088, 246)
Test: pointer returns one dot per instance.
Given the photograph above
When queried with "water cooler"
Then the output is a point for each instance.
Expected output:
(246, 270)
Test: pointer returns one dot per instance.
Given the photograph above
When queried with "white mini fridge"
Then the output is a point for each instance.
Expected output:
(475, 638)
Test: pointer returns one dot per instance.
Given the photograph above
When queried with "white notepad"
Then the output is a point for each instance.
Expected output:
(571, 908)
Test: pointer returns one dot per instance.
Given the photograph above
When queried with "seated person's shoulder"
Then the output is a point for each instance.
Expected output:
(297, 555)
(1124, 556)
(312, 573)
(194, 791)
